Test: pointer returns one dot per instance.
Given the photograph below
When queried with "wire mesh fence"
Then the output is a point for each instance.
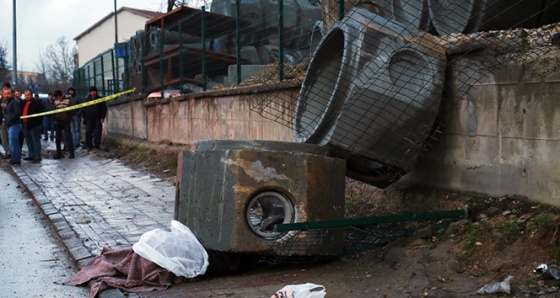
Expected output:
(372, 73)
(104, 72)
(374, 86)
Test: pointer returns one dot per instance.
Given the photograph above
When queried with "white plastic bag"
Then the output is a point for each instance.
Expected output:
(307, 290)
(177, 251)
(497, 287)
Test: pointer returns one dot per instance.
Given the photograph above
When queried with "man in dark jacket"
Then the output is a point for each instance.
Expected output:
(13, 123)
(62, 123)
(32, 126)
(75, 99)
(94, 116)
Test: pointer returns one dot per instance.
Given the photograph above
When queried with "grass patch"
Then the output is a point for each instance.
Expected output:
(474, 235)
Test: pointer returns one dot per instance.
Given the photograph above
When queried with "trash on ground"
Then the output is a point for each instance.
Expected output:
(177, 251)
(497, 287)
(308, 290)
(548, 271)
(539, 290)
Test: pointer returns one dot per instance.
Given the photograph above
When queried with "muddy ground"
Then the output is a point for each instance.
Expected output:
(437, 258)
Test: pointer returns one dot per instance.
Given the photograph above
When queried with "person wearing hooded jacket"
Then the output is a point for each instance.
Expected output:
(75, 125)
(94, 116)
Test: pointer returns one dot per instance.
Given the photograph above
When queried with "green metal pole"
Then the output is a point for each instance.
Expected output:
(142, 55)
(203, 36)
(238, 39)
(370, 220)
(281, 40)
(115, 78)
(103, 75)
(340, 9)
(94, 75)
(181, 62)
(116, 87)
(161, 62)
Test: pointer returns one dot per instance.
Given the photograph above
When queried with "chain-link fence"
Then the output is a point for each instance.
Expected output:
(107, 72)
(373, 88)
(373, 72)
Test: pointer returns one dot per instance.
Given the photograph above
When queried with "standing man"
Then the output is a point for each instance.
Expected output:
(32, 126)
(76, 116)
(17, 94)
(48, 125)
(4, 130)
(94, 116)
(62, 123)
(13, 123)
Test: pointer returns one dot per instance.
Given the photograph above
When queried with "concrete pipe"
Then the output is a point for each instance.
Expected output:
(460, 16)
(371, 94)
(414, 13)
(231, 194)
(316, 35)
(252, 12)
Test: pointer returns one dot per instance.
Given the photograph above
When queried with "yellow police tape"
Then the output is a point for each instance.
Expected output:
(78, 106)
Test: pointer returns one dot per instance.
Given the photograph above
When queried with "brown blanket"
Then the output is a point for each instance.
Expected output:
(125, 270)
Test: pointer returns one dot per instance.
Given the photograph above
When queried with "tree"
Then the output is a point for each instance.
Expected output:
(4, 66)
(171, 4)
(58, 64)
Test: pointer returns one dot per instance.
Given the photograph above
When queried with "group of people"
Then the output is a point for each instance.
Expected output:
(17, 123)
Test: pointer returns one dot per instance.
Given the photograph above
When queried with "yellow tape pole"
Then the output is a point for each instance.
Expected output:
(85, 104)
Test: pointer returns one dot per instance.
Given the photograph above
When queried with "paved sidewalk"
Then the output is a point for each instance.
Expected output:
(93, 201)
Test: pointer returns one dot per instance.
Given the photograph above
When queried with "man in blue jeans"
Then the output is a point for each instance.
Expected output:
(32, 126)
(13, 123)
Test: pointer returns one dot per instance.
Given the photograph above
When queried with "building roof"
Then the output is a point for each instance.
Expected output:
(148, 14)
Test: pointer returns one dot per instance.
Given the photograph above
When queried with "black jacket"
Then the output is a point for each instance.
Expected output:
(35, 107)
(13, 112)
(96, 111)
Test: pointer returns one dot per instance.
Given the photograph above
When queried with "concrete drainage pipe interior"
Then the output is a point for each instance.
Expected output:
(321, 84)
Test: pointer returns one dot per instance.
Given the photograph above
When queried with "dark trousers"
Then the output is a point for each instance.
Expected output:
(48, 126)
(60, 127)
(33, 141)
(93, 131)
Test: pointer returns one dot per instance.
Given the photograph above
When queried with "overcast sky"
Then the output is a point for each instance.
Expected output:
(41, 22)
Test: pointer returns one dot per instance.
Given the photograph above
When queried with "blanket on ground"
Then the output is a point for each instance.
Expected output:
(125, 270)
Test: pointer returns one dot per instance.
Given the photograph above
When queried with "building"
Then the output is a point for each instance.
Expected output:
(100, 37)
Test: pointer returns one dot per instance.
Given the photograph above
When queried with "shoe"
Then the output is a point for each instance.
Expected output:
(71, 155)
(45, 139)
(7, 156)
(14, 163)
(57, 157)
(29, 158)
(37, 160)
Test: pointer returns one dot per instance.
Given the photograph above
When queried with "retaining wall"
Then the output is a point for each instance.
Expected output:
(500, 129)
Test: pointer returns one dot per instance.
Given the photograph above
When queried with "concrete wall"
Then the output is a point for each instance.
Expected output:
(500, 132)
(500, 129)
(128, 117)
(211, 115)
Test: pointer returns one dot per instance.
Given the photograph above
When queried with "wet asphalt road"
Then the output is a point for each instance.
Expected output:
(32, 260)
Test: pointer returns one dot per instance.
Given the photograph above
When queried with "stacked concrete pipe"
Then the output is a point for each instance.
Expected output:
(371, 95)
